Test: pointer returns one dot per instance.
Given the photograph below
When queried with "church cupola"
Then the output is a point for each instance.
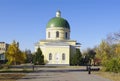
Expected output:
(58, 28)
(58, 14)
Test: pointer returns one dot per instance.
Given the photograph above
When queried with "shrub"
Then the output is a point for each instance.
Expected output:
(113, 65)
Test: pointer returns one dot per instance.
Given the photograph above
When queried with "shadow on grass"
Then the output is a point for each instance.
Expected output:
(10, 77)
(14, 71)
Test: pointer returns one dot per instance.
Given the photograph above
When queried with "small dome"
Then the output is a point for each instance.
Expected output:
(58, 21)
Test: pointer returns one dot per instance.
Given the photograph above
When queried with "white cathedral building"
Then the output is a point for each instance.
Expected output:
(57, 48)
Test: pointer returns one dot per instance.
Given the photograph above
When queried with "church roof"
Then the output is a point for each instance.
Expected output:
(58, 21)
(57, 44)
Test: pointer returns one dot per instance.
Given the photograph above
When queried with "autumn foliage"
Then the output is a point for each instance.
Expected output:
(14, 55)
(109, 53)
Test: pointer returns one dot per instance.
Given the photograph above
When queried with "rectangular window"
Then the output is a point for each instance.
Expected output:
(50, 56)
(48, 34)
(63, 56)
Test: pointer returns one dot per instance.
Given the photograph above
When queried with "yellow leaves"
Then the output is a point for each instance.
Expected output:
(14, 55)
(117, 49)
(106, 51)
(21, 57)
(103, 51)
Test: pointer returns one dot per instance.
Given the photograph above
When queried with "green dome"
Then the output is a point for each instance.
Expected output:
(58, 22)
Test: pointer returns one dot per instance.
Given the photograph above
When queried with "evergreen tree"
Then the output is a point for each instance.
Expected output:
(76, 59)
(29, 56)
(38, 57)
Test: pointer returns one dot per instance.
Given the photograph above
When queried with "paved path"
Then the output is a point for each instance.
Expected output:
(62, 75)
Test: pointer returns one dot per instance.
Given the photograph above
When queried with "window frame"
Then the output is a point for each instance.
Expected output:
(57, 34)
(50, 56)
(48, 34)
(66, 35)
(63, 56)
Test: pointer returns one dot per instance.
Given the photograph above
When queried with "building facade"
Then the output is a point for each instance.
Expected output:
(3, 48)
(57, 48)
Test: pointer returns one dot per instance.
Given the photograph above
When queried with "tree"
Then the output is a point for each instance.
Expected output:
(14, 55)
(113, 65)
(38, 57)
(117, 50)
(29, 56)
(103, 52)
(113, 38)
(109, 52)
(89, 56)
(76, 59)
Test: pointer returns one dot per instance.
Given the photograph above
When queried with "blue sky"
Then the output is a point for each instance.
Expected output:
(90, 20)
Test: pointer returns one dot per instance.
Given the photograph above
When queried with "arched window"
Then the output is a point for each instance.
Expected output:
(50, 56)
(48, 34)
(63, 56)
(57, 34)
(66, 35)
